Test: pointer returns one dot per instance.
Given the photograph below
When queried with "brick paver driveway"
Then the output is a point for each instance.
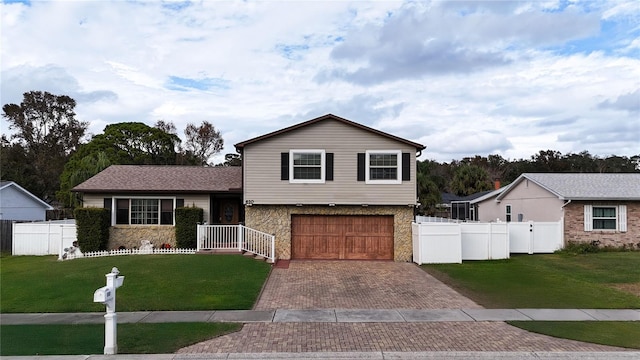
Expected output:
(372, 285)
(357, 285)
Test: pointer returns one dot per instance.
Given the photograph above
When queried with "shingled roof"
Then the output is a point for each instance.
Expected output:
(585, 186)
(164, 179)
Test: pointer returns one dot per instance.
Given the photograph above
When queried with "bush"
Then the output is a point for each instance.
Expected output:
(187, 219)
(92, 226)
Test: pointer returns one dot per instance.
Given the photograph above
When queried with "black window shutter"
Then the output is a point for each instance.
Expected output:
(107, 203)
(361, 166)
(284, 166)
(179, 203)
(328, 158)
(406, 166)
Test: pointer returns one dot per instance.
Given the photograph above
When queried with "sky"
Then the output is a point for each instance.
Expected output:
(463, 78)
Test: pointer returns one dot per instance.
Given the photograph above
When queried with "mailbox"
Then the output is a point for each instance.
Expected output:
(119, 281)
(103, 294)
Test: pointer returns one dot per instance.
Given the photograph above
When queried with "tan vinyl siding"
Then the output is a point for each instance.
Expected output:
(261, 161)
(198, 200)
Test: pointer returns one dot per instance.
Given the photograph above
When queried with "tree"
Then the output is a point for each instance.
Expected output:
(48, 133)
(123, 144)
(470, 179)
(231, 160)
(203, 142)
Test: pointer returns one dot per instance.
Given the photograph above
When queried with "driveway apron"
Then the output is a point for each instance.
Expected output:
(372, 285)
(357, 285)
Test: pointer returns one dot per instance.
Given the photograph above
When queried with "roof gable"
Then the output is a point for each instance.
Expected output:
(164, 179)
(585, 186)
(239, 146)
(20, 189)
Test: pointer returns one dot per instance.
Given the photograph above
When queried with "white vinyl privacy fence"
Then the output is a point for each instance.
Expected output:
(42, 238)
(452, 243)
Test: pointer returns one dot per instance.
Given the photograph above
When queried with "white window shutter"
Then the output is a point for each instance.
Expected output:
(622, 218)
(588, 218)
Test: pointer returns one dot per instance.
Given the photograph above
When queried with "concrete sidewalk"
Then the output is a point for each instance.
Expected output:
(332, 316)
(378, 355)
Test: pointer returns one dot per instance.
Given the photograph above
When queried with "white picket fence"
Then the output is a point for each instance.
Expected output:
(42, 238)
(121, 252)
(441, 242)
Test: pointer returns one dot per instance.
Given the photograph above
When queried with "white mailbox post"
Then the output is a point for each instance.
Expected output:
(107, 295)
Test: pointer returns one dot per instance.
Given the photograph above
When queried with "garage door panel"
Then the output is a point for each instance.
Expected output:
(342, 237)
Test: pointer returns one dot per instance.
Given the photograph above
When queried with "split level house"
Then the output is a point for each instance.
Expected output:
(602, 207)
(327, 188)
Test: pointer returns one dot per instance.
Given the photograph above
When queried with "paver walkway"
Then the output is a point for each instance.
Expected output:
(372, 285)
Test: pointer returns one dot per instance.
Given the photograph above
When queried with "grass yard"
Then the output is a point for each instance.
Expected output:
(152, 282)
(606, 280)
(23, 340)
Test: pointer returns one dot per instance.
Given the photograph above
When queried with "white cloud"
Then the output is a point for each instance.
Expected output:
(506, 77)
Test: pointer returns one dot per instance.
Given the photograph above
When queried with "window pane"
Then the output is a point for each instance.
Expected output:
(166, 216)
(310, 159)
(609, 212)
(306, 173)
(122, 211)
(383, 173)
(144, 211)
(604, 224)
(383, 160)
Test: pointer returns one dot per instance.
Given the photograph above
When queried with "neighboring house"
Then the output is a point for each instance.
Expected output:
(330, 188)
(16, 203)
(593, 206)
(143, 199)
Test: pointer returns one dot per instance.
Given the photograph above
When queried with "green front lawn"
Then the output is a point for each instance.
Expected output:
(608, 280)
(152, 282)
(22, 340)
(548, 281)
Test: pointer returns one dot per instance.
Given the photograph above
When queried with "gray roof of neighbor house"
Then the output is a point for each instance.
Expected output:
(164, 179)
(585, 186)
(241, 145)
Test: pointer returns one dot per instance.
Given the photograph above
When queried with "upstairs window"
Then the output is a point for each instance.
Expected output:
(307, 166)
(383, 167)
(507, 211)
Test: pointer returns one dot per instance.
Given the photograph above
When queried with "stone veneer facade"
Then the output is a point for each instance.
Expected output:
(130, 236)
(574, 225)
(276, 219)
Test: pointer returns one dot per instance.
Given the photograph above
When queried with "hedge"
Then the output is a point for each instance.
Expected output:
(92, 226)
(187, 220)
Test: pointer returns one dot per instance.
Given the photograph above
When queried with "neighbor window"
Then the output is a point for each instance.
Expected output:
(144, 211)
(508, 213)
(383, 167)
(307, 166)
(604, 218)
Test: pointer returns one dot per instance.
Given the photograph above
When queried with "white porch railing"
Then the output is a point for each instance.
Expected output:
(236, 237)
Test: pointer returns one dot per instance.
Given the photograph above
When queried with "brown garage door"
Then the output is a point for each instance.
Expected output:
(342, 237)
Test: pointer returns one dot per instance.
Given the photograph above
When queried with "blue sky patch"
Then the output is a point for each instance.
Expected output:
(292, 52)
(186, 84)
(26, 2)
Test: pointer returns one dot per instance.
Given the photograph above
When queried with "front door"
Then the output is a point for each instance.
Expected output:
(228, 211)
